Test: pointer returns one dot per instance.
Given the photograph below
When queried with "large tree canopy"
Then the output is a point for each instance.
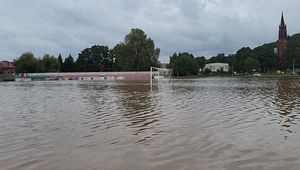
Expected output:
(201, 61)
(96, 58)
(266, 57)
(69, 65)
(251, 64)
(185, 65)
(50, 63)
(137, 52)
(292, 54)
(26, 63)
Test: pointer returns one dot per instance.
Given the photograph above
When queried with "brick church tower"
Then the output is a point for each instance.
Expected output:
(282, 38)
(282, 45)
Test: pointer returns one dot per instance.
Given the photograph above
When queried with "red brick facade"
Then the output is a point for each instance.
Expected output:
(282, 45)
(6, 68)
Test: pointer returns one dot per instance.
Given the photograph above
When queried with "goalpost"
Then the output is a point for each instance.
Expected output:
(160, 74)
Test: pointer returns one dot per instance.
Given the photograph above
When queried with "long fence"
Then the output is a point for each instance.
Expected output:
(85, 76)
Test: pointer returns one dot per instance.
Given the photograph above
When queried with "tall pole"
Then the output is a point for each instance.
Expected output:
(158, 78)
(293, 66)
(151, 77)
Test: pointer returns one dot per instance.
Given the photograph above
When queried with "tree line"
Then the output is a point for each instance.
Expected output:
(28, 63)
(261, 59)
(136, 53)
(246, 60)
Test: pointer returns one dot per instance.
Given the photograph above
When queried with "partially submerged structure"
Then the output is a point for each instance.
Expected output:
(84, 76)
(7, 71)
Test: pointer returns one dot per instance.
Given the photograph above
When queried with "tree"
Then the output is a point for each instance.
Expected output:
(40, 66)
(185, 65)
(201, 61)
(186, 53)
(220, 58)
(50, 63)
(266, 57)
(172, 59)
(292, 53)
(175, 56)
(69, 65)
(137, 52)
(241, 56)
(96, 58)
(251, 64)
(60, 63)
(26, 63)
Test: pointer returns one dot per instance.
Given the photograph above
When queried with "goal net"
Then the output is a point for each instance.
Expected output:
(160, 74)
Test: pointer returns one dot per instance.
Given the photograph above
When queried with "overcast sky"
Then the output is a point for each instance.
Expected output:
(201, 27)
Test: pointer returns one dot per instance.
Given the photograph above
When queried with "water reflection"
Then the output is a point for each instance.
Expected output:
(287, 95)
(100, 103)
(140, 109)
(132, 104)
(286, 101)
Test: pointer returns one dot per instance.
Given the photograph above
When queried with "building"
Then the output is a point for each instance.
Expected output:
(215, 67)
(7, 71)
(282, 42)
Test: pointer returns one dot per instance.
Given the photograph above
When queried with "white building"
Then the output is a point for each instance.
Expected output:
(215, 67)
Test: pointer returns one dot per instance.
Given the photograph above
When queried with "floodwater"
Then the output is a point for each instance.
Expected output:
(208, 123)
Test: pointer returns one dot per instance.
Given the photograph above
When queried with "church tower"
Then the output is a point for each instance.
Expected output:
(282, 38)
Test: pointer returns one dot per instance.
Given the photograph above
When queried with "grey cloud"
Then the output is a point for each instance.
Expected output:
(202, 27)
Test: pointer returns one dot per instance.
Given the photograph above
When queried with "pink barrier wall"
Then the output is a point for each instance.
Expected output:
(96, 75)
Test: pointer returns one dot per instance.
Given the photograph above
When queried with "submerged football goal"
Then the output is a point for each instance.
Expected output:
(160, 74)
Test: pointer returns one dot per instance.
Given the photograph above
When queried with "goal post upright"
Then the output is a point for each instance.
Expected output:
(151, 76)
(158, 73)
(158, 77)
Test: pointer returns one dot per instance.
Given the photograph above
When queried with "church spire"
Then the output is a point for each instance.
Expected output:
(282, 29)
(282, 20)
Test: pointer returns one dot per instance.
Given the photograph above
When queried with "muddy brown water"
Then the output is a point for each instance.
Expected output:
(209, 123)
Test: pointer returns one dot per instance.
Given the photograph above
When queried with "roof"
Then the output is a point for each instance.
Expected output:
(218, 64)
(6, 64)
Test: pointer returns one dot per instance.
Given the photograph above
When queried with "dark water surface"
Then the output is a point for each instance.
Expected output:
(210, 123)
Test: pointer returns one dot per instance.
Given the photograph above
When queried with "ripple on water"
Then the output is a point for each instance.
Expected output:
(209, 123)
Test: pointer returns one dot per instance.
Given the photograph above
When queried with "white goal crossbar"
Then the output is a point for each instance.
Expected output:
(159, 73)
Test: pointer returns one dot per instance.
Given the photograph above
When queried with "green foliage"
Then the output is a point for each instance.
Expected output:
(50, 63)
(220, 58)
(60, 63)
(26, 63)
(137, 52)
(251, 64)
(69, 65)
(201, 61)
(175, 56)
(240, 58)
(172, 59)
(266, 57)
(96, 58)
(185, 65)
(292, 53)
(207, 71)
